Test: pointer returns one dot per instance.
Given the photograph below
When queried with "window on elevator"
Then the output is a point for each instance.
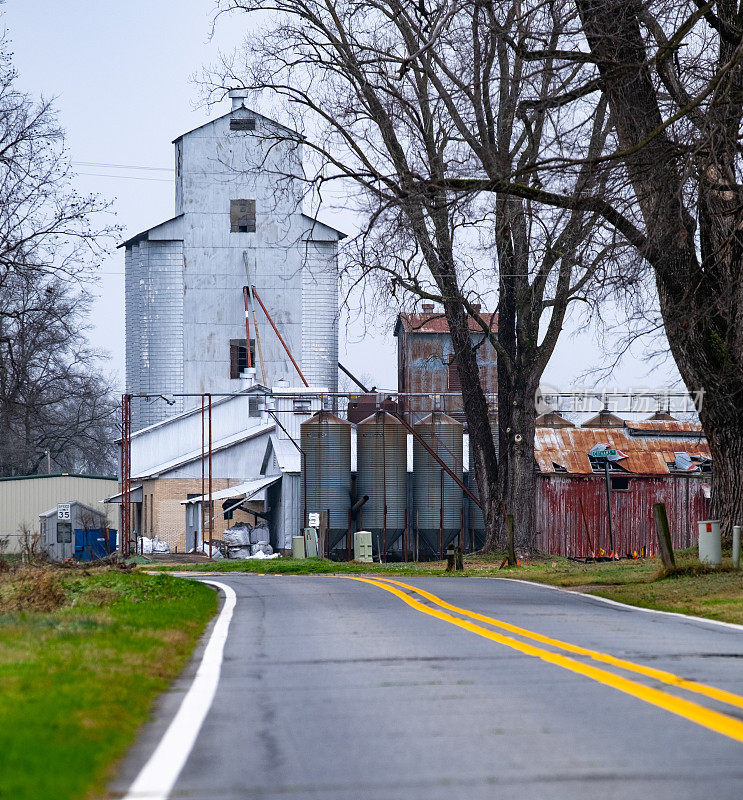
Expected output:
(239, 356)
(242, 216)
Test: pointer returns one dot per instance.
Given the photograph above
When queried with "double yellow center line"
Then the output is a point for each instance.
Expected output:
(708, 718)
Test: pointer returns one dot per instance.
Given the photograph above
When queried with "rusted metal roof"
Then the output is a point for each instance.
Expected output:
(664, 427)
(568, 449)
(436, 323)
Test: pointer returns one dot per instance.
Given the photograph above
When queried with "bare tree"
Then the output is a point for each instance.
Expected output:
(414, 105)
(45, 225)
(52, 397)
(671, 73)
(673, 77)
(488, 67)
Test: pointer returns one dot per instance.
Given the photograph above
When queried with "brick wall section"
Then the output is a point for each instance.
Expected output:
(165, 517)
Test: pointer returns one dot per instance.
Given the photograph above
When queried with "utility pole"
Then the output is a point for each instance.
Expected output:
(608, 507)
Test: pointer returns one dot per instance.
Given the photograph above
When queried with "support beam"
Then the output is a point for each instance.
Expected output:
(280, 337)
(353, 378)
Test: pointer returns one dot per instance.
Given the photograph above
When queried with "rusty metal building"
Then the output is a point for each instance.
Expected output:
(572, 514)
(426, 364)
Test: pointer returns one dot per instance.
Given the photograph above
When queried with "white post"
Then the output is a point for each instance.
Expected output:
(736, 547)
(710, 550)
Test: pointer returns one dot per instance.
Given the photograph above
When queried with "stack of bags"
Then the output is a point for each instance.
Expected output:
(244, 541)
(146, 546)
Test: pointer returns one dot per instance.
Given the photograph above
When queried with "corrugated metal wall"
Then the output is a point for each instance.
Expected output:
(284, 500)
(184, 299)
(562, 530)
(154, 327)
(23, 499)
(423, 360)
(320, 315)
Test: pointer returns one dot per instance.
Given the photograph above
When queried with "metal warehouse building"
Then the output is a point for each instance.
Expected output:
(24, 498)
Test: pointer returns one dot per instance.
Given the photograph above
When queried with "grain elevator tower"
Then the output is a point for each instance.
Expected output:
(185, 320)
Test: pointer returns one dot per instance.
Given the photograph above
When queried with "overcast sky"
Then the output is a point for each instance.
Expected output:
(121, 73)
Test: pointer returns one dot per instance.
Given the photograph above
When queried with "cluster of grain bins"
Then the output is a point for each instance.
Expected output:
(408, 519)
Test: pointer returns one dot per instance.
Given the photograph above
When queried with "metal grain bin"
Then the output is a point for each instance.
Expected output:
(382, 476)
(475, 538)
(437, 497)
(326, 479)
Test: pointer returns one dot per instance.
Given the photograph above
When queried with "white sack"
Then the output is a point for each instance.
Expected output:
(159, 546)
(260, 534)
(238, 552)
(237, 536)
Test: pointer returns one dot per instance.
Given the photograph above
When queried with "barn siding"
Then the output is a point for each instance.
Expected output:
(561, 529)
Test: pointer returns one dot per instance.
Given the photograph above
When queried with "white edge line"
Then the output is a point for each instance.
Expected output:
(732, 625)
(158, 776)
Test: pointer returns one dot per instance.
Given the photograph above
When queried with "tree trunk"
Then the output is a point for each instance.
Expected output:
(521, 487)
(727, 467)
(476, 413)
(713, 374)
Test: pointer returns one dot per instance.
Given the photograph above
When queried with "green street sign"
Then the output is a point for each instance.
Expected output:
(603, 453)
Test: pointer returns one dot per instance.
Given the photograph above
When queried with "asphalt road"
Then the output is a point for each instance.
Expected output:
(336, 689)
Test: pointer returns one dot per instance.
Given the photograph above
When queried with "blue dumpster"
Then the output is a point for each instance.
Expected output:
(91, 544)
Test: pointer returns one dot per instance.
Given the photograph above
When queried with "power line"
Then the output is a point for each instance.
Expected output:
(120, 166)
(126, 177)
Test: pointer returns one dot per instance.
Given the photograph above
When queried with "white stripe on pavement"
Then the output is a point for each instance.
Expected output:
(158, 776)
(681, 617)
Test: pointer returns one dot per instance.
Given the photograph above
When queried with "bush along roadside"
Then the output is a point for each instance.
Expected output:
(83, 655)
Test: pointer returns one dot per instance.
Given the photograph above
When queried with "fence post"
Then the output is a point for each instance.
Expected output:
(663, 532)
(736, 547)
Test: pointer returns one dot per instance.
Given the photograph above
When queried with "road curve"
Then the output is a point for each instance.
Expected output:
(337, 688)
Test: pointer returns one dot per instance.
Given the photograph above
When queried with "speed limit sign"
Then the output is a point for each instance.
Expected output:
(63, 510)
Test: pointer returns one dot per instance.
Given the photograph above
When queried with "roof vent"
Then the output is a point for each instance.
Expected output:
(551, 419)
(604, 419)
(427, 308)
(663, 416)
(238, 97)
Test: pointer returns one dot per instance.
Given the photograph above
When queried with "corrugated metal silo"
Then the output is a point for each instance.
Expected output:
(476, 529)
(320, 314)
(437, 497)
(382, 476)
(326, 482)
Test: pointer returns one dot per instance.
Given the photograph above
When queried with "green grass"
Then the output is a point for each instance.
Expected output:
(76, 683)
(717, 594)
(305, 566)
(475, 565)
(694, 589)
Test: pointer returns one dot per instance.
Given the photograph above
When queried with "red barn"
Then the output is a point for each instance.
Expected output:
(666, 460)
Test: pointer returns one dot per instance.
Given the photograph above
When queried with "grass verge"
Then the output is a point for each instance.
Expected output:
(82, 657)
(692, 589)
